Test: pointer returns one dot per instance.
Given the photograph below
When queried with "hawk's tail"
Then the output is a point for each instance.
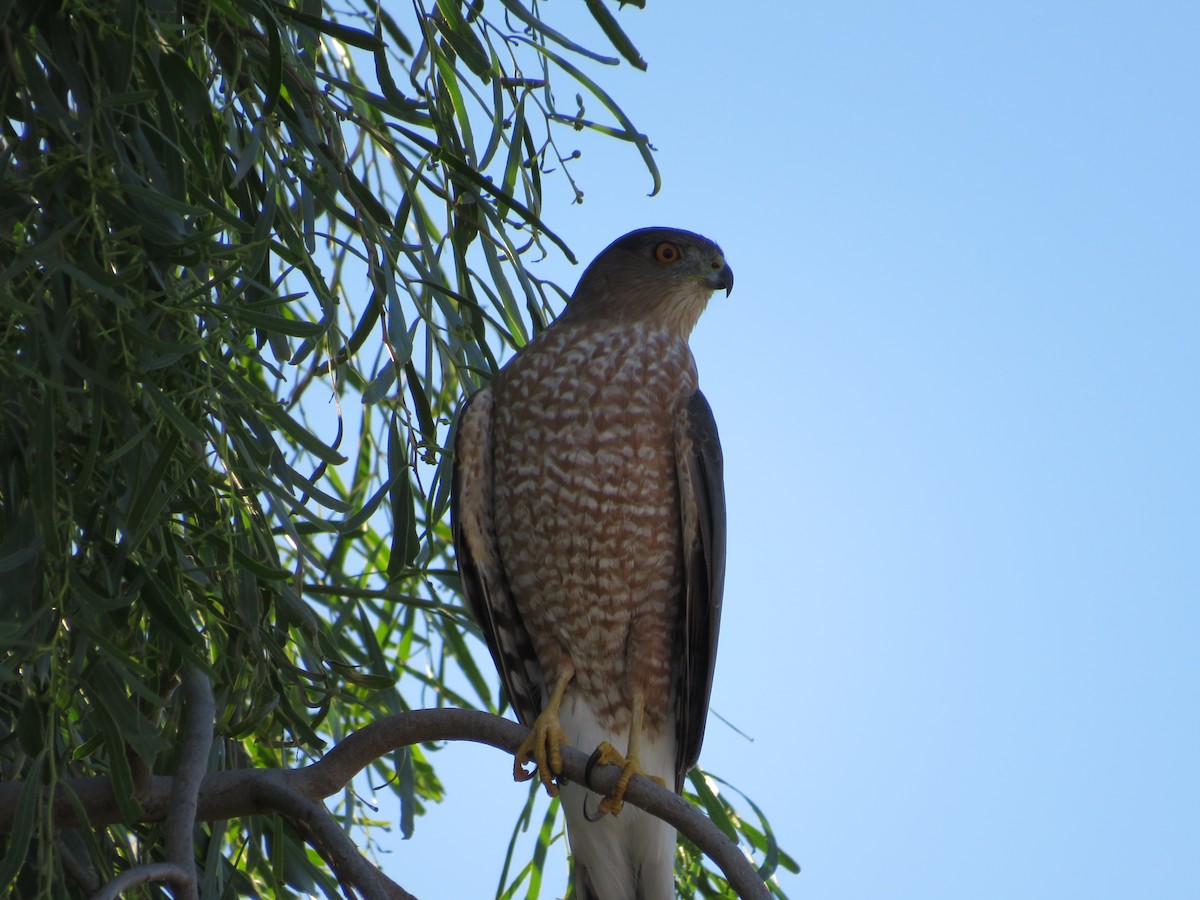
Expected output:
(630, 856)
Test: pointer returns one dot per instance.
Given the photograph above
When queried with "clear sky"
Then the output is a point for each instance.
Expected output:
(957, 388)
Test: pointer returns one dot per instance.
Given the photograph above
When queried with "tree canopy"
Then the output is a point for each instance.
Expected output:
(252, 255)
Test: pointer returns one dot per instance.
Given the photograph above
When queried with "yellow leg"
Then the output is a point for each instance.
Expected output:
(630, 764)
(541, 746)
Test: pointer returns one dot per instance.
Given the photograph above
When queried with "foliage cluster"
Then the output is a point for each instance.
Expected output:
(251, 255)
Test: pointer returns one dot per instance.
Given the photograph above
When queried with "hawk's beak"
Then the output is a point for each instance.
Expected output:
(722, 278)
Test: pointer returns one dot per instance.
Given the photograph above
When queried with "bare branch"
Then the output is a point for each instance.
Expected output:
(364, 746)
(168, 872)
(199, 711)
(226, 795)
(322, 831)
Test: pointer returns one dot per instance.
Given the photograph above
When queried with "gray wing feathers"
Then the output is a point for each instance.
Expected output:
(702, 496)
(480, 568)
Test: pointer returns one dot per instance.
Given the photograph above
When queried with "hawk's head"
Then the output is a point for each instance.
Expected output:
(653, 273)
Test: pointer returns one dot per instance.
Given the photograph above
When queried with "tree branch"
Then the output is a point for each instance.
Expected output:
(226, 795)
(199, 712)
(322, 831)
(168, 872)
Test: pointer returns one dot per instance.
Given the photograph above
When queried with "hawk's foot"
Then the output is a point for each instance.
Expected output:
(542, 748)
(607, 754)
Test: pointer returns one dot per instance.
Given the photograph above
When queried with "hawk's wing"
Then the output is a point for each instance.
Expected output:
(484, 582)
(702, 501)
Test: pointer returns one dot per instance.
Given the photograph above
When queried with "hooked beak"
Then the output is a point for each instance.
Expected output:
(720, 278)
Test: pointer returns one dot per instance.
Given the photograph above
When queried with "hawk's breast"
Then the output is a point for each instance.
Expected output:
(587, 505)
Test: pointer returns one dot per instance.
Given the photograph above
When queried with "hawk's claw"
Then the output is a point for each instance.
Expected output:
(591, 816)
(607, 754)
(542, 748)
(594, 760)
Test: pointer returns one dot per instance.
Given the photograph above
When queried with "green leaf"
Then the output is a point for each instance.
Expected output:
(31, 726)
(394, 31)
(274, 67)
(461, 37)
(355, 37)
(763, 840)
(111, 703)
(536, 24)
(519, 827)
(23, 828)
(404, 523)
(381, 385)
(301, 435)
(280, 324)
(421, 405)
(462, 656)
(406, 769)
(355, 522)
(619, 39)
(540, 850)
(712, 805)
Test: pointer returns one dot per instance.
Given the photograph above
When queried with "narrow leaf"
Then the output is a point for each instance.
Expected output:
(619, 39)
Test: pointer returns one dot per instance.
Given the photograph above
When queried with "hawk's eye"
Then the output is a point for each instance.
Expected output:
(667, 253)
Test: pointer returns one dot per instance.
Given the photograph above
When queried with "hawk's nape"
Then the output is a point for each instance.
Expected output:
(589, 525)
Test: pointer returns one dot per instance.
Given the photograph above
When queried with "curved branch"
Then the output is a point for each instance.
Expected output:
(358, 750)
(322, 831)
(168, 872)
(227, 795)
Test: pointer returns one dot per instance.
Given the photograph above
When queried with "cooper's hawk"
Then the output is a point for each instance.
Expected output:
(589, 525)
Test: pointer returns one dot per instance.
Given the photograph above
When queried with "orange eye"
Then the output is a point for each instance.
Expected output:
(666, 253)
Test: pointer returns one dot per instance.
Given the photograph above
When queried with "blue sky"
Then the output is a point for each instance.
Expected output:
(957, 389)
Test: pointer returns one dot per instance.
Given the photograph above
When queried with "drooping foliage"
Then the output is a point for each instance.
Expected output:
(251, 256)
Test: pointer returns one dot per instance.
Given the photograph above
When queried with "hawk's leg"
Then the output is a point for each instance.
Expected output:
(630, 765)
(542, 745)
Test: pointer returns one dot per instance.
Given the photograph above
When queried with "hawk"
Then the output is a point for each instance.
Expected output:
(588, 513)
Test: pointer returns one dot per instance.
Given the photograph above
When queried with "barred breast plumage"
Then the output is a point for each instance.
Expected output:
(585, 481)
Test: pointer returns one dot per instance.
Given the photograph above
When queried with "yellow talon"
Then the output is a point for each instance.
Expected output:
(542, 746)
(607, 754)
